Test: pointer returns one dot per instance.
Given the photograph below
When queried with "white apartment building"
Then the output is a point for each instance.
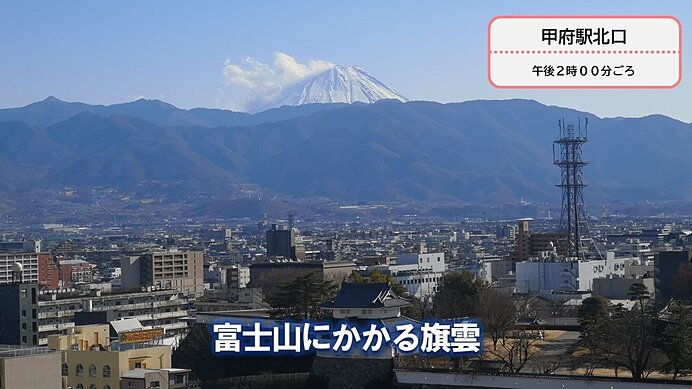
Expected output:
(418, 273)
(569, 275)
(28, 262)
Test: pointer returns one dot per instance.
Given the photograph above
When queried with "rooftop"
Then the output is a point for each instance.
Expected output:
(366, 295)
(10, 351)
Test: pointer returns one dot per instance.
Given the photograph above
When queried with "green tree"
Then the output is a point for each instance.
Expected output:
(594, 313)
(625, 338)
(458, 295)
(677, 340)
(376, 276)
(300, 298)
(593, 310)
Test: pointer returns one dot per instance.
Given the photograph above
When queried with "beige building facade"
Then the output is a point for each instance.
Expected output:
(90, 362)
(23, 367)
(181, 270)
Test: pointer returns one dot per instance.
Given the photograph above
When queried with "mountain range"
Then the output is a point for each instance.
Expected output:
(475, 152)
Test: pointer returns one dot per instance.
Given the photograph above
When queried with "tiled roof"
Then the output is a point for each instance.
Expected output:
(365, 295)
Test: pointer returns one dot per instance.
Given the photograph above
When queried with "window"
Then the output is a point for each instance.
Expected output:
(79, 370)
(79, 386)
(23, 312)
(92, 370)
(24, 293)
(138, 365)
(106, 371)
(92, 386)
(65, 369)
(106, 386)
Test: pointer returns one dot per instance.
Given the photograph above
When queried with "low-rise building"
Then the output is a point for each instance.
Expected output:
(156, 378)
(267, 275)
(158, 308)
(237, 277)
(419, 273)
(90, 359)
(73, 271)
(29, 367)
(566, 275)
(367, 301)
(618, 288)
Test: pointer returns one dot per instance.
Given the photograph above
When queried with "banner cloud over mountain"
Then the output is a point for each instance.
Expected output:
(258, 82)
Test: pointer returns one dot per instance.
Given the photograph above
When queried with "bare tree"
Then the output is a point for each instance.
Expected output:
(516, 351)
(498, 314)
(425, 304)
(548, 364)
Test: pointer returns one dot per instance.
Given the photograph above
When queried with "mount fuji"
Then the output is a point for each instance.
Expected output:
(339, 84)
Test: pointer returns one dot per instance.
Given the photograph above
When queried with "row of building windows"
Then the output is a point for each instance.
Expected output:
(106, 303)
(419, 280)
(428, 260)
(79, 370)
(92, 386)
(364, 311)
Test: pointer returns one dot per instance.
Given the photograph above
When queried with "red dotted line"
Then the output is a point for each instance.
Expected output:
(583, 51)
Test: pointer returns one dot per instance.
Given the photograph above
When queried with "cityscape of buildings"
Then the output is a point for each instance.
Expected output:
(77, 290)
(143, 245)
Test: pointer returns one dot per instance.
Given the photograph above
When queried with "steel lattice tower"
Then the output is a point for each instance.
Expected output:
(567, 155)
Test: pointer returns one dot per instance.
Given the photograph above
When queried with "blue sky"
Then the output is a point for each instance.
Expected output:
(109, 52)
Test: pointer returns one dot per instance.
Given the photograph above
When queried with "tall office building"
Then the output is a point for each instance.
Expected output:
(529, 244)
(280, 241)
(18, 313)
(667, 264)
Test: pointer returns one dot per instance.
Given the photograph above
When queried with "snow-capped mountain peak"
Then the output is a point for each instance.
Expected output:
(340, 84)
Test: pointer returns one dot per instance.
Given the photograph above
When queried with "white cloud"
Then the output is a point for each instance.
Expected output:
(256, 82)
